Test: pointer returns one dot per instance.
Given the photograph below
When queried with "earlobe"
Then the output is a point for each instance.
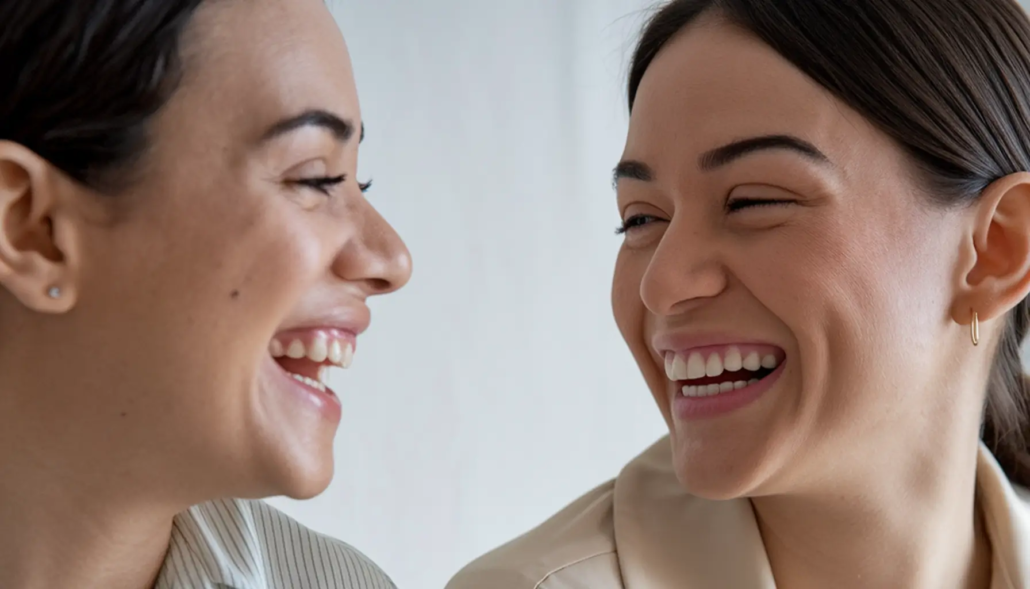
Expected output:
(998, 273)
(31, 262)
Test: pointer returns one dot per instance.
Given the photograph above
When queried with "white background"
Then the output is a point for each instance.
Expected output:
(495, 388)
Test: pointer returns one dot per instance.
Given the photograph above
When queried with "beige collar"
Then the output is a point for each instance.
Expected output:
(668, 538)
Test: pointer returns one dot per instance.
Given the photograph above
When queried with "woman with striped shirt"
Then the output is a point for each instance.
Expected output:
(185, 250)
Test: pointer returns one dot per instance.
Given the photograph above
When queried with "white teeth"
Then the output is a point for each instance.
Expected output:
(335, 352)
(690, 392)
(752, 362)
(713, 389)
(296, 350)
(752, 381)
(275, 348)
(677, 368)
(725, 387)
(319, 349)
(309, 382)
(714, 365)
(348, 356)
(323, 374)
(733, 362)
(695, 366)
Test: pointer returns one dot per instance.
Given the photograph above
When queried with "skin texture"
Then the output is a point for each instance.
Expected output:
(148, 386)
(860, 461)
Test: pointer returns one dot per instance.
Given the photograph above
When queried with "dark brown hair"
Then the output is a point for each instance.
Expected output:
(82, 79)
(948, 80)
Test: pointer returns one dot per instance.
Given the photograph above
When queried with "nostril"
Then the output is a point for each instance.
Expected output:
(380, 285)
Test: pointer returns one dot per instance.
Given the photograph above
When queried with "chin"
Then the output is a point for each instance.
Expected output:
(717, 474)
(300, 476)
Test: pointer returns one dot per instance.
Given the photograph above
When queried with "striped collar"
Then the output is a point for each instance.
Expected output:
(234, 544)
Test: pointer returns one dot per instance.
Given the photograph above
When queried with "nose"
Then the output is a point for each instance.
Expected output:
(684, 271)
(375, 257)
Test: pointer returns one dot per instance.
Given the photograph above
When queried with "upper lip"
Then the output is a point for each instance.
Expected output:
(353, 319)
(684, 341)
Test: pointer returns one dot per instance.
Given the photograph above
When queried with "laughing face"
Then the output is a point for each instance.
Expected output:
(202, 317)
(782, 282)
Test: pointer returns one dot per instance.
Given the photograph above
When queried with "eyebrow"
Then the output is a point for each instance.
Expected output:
(723, 156)
(738, 149)
(342, 129)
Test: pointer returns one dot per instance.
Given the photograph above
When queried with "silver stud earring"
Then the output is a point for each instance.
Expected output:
(54, 292)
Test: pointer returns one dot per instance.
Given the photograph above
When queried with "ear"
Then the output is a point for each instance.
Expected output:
(33, 264)
(996, 263)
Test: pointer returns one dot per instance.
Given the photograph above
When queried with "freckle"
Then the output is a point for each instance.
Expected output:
(124, 414)
(235, 294)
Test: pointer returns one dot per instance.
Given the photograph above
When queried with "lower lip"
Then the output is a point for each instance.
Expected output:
(700, 408)
(327, 403)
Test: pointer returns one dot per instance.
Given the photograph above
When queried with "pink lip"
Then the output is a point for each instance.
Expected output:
(680, 342)
(327, 403)
(697, 409)
(352, 321)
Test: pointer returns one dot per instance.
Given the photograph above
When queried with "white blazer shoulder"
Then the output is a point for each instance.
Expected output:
(575, 549)
(643, 531)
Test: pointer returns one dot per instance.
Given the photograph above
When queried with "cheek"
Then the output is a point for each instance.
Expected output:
(632, 317)
(863, 297)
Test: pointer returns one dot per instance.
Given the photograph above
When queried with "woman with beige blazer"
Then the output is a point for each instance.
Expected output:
(824, 280)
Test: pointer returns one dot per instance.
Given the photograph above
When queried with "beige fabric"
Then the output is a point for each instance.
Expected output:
(642, 531)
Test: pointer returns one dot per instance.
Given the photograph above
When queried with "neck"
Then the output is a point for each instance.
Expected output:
(72, 521)
(896, 522)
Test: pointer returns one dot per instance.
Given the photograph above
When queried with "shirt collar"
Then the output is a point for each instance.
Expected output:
(668, 538)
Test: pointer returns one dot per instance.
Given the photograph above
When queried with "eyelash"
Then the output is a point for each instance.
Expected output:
(633, 223)
(324, 183)
(747, 203)
(734, 206)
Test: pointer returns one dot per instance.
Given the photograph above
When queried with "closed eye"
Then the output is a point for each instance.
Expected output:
(323, 184)
(741, 204)
(635, 222)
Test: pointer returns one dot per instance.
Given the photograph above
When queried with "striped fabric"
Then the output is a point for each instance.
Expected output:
(235, 544)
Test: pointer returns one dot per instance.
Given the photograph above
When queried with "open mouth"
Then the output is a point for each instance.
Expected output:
(720, 370)
(307, 356)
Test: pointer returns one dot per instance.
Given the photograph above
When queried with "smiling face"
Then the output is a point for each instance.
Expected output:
(784, 284)
(246, 231)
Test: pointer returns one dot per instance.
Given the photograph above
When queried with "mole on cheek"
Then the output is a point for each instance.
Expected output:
(235, 295)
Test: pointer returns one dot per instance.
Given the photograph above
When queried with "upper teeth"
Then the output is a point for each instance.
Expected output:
(340, 353)
(696, 365)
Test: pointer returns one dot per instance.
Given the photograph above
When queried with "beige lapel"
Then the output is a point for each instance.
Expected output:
(667, 539)
(1007, 516)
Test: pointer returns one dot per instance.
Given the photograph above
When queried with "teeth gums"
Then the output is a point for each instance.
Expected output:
(309, 382)
(733, 361)
(714, 365)
(752, 362)
(322, 348)
(296, 350)
(319, 350)
(694, 366)
(337, 352)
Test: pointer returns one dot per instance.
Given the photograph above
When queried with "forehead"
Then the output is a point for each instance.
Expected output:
(250, 63)
(715, 83)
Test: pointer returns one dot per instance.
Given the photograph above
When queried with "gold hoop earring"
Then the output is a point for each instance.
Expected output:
(974, 329)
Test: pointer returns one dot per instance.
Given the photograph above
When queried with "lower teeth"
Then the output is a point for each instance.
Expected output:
(716, 389)
(309, 381)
